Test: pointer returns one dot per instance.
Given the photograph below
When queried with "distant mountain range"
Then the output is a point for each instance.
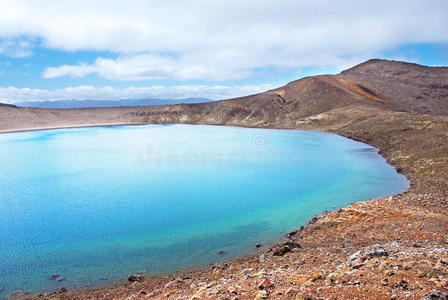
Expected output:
(108, 103)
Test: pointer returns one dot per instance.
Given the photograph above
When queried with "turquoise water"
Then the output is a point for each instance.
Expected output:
(96, 204)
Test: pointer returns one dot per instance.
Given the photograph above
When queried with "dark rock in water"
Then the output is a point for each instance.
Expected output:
(221, 252)
(258, 245)
(133, 278)
(54, 276)
(291, 233)
(103, 278)
(313, 220)
(60, 279)
(62, 290)
(19, 295)
(436, 295)
(285, 247)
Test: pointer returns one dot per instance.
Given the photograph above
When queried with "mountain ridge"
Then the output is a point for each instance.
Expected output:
(378, 84)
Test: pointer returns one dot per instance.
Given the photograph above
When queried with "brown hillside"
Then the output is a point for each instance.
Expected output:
(387, 85)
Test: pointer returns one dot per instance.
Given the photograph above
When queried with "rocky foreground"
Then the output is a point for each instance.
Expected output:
(392, 248)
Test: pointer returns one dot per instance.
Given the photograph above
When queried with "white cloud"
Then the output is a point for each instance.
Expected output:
(149, 66)
(219, 40)
(74, 71)
(13, 95)
(16, 48)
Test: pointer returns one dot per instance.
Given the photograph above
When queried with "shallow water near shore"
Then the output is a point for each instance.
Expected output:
(97, 204)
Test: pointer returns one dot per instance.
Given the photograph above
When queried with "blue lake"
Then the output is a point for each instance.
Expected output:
(97, 204)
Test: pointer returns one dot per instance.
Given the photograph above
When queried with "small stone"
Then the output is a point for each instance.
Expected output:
(54, 276)
(60, 279)
(221, 252)
(421, 273)
(62, 290)
(407, 266)
(261, 295)
(291, 291)
(258, 245)
(300, 296)
(355, 256)
(352, 283)
(332, 277)
(382, 265)
(436, 295)
(404, 284)
(266, 283)
(174, 282)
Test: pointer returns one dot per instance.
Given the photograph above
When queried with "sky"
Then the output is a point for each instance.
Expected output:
(135, 49)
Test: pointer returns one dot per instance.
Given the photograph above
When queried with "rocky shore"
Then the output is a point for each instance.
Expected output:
(391, 248)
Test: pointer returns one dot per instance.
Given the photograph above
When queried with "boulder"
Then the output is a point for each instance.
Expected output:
(313, 220)
(136, 277)
(376, 251)
(285, 247)
(291, 234)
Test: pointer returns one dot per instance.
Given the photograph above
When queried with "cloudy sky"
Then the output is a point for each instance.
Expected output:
(84, 49)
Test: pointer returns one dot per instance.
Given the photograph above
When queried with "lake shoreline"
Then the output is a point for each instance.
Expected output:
(2, 131)
(400, 139)
(303, 141)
